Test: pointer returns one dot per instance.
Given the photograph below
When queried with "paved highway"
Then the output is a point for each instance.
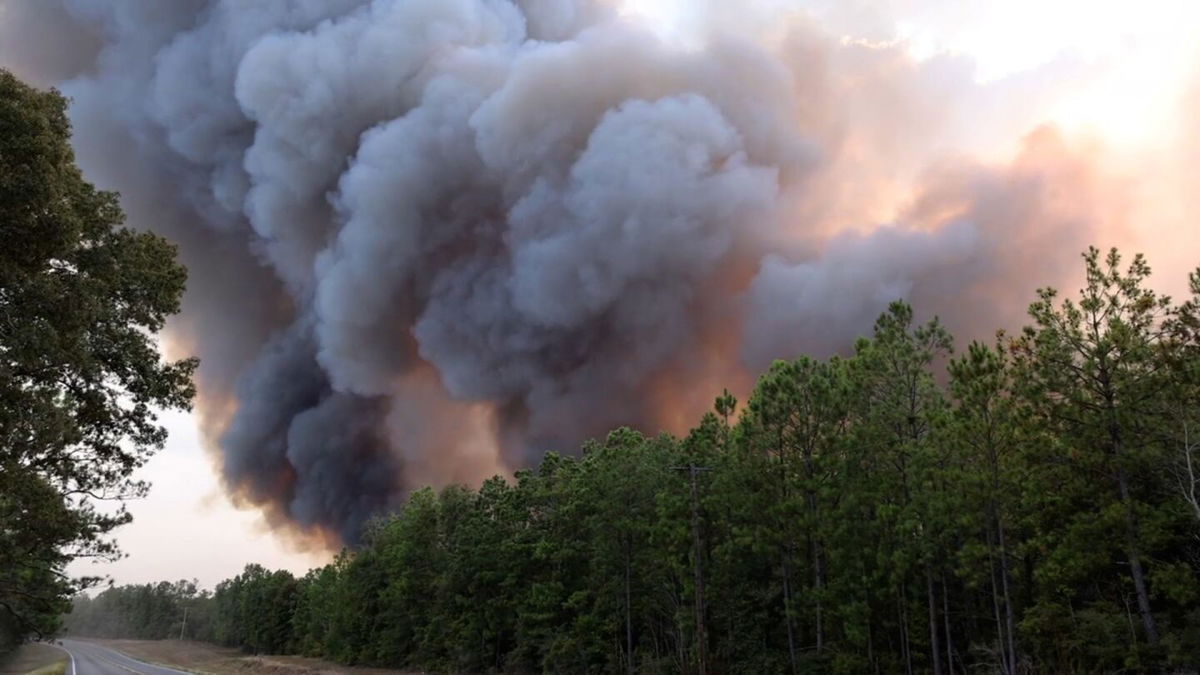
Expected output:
(92, 659)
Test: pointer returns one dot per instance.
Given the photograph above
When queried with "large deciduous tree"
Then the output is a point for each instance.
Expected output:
(81, 298)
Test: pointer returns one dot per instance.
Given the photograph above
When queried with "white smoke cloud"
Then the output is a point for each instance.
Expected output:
(531, 214)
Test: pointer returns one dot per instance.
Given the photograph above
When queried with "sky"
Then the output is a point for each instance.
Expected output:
(186, 527)
(1140, 55)
(1133, 78)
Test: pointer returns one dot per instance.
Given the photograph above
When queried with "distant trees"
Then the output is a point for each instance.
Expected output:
(145, 612)
(80, 374)
(1026, 505)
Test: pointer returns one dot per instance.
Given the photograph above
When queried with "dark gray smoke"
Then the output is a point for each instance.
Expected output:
(430, 239)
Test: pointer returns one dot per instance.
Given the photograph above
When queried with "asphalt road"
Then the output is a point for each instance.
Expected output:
(92, 659)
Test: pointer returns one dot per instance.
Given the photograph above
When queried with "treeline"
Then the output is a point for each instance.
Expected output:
(144, 612)
(1029, 505)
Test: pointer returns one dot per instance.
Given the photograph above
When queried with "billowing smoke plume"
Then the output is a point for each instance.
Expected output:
(430, 239)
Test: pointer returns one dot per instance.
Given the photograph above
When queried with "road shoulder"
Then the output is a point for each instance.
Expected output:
(36, 657)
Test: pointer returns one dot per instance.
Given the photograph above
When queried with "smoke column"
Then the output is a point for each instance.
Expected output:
(429, 240)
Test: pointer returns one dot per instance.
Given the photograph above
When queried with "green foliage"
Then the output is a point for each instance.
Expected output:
(860, 514)
(80, 375)
(255, 611)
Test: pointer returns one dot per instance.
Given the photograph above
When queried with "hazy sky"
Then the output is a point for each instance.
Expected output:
(187, 529)
(1137, 68)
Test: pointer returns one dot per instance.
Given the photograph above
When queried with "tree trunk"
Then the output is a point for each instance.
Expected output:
(787, 609)
(628, 614)
(680, 633)
(871, 639)
(1009, 616)
(1135, 561)
(818, 580)
(870, 619)
(701, 634)
(1006, 666)
(935, 649)
(1187, 484)
(1131, 528)
(902, 602)
(946, 625)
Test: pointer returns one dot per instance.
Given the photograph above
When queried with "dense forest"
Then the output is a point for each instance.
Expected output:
(1027, 505)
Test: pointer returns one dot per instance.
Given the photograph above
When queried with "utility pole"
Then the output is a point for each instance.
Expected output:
(701, 633)
(184, 624)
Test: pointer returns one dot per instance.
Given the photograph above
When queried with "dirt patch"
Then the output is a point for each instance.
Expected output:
(34, 657)
(201, 657)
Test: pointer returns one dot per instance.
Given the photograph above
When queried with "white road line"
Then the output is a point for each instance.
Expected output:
(118, 655)
(68, 651)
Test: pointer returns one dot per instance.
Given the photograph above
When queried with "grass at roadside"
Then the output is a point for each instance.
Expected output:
(200, 657)
(35, 659)
(53, 669)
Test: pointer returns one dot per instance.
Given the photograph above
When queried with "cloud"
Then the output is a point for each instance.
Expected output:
(431, 239)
